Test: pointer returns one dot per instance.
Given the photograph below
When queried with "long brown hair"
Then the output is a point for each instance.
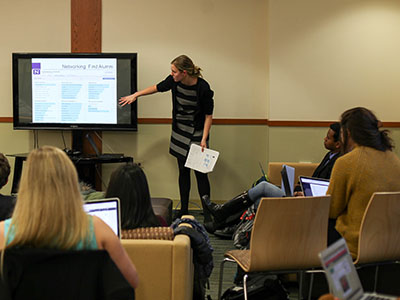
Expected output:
(364, 128)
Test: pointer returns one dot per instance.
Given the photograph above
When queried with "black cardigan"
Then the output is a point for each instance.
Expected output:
(56, 274)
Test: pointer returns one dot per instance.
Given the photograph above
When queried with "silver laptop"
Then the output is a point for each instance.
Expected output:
(341, 274)
(106, 209)
(313, 186)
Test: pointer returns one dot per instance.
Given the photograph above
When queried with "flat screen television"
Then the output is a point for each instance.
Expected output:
(74, 91)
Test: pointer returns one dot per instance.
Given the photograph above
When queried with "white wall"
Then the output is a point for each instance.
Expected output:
(30, 26)
(227, 39)
(327, 56)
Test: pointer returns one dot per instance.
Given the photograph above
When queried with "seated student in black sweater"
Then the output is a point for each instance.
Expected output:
(6, 202)
(129, 184)
(220, 213)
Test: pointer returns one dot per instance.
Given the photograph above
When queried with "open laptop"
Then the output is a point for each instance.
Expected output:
(106, 209)
(341, 274)
(313, 186)
(287, 182)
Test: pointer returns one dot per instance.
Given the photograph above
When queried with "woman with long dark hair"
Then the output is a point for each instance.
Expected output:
(367, 166)
(129, 184)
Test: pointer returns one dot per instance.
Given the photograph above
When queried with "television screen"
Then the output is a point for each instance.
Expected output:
(74, 91)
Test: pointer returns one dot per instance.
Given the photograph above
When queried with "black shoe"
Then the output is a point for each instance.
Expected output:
(207, 216)
(225, 233)
(210, 227)
(212, 209)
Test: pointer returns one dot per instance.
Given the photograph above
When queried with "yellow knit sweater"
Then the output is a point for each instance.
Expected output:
(355, 177)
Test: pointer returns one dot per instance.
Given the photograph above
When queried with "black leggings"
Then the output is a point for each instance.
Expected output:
(203, 184)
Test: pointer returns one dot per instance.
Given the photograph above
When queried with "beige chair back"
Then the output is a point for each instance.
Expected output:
(288, 233)
(301, 169)
(379, 238)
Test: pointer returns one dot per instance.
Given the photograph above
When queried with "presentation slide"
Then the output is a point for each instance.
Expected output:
(76, 90)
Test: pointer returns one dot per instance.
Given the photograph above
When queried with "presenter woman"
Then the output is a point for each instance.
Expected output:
(192, 108)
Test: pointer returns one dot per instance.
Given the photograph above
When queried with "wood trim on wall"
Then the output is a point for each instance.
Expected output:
(6, 120)
(265, 122)
(215, 121)
(277, 123)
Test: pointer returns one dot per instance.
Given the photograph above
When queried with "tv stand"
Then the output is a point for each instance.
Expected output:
(85, 164)
(82, 148)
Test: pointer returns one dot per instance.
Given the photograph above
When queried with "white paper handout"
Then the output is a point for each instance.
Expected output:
(201, 161)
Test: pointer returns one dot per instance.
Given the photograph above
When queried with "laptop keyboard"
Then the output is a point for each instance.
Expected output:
(376, 297)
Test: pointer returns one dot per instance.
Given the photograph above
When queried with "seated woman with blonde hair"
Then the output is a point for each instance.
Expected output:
(49, 213)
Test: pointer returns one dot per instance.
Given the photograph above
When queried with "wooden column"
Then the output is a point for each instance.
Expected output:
(86, 26)
(86, 38)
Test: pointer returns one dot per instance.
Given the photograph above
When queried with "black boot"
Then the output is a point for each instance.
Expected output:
(209, 224)
(206, 212)
(221, 213)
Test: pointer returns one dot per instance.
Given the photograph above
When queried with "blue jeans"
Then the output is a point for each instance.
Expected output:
(264, 189)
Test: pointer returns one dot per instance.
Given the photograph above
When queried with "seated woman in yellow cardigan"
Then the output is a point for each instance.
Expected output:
(368, 166)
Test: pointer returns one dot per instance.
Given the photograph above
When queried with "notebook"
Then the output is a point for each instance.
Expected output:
(341, 274)
(287, 183)
(313, 186)
(106, 209)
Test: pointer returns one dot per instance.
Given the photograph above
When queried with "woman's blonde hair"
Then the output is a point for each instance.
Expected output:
(49, 211)
(184, 63)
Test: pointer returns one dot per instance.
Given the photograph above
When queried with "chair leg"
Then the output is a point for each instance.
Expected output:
(221, 276)
(376, 277)
(311, 286)
(245, 286)
(301, 280)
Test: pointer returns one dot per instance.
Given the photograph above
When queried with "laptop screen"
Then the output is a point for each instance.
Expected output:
(106, 209)
(287, 180)
(313, 186)
(340, 271)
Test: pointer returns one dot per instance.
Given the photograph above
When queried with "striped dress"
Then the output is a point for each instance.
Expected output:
(190, 105)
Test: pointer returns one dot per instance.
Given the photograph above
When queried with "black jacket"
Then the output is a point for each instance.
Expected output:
(324, 169)
(56, 274)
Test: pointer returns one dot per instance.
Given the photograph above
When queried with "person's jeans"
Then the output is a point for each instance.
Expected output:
(264, 189)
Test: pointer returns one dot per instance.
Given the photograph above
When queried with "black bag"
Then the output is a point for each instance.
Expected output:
(259, 287)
